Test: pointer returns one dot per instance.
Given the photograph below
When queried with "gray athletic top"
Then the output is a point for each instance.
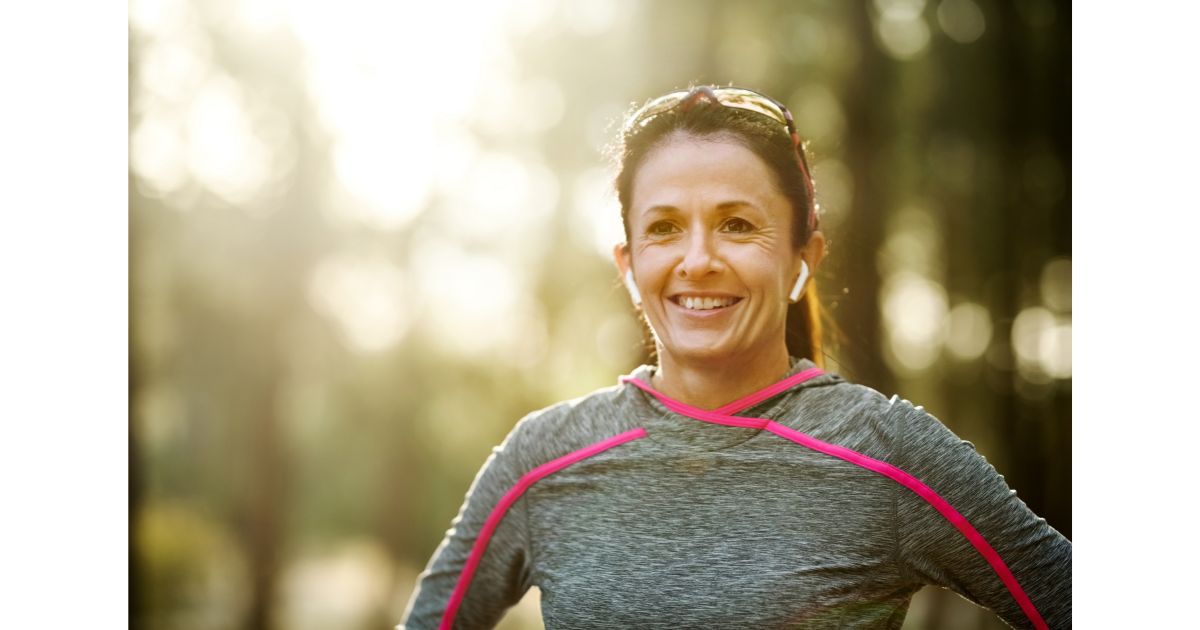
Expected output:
(628, 510)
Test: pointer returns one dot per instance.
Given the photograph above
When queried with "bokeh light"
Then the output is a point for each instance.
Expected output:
(901, 28)
(1056, 285)
(961, 20)
(367, 297)
(914, 308)
(968, 330)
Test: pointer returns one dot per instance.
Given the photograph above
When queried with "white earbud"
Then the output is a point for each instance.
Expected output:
(799, 287)
(632, 288)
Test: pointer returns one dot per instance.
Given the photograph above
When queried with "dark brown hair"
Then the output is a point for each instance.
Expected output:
(771, 142)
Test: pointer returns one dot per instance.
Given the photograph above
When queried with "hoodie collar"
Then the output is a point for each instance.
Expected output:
(667, 427)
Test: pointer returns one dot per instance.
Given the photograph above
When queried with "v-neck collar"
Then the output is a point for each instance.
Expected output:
(678, 430)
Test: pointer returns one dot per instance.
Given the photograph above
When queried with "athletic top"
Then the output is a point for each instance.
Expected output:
(814, 502)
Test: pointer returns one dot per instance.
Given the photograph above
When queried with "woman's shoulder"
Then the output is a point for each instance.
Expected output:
(851, 415)
(572, 424)
(839, 399)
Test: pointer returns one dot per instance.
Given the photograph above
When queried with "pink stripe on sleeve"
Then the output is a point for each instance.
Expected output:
(925, 492)
(874, 465)
(510, 497)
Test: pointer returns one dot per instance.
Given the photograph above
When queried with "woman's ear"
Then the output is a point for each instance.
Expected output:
(621, 258)
(798, 287)
(625, 268)
(806, 261)
(814, 250)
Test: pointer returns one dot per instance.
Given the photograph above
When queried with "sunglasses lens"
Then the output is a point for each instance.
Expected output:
(737, 98)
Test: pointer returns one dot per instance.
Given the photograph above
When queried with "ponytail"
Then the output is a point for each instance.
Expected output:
(804, 326)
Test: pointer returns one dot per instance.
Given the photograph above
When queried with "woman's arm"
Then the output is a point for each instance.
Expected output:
(996, 552)
(481, 568)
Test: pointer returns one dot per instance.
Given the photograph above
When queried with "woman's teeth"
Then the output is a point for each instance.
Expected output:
(705, 303)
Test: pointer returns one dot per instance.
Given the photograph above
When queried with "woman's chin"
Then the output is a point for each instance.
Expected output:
(699, 350)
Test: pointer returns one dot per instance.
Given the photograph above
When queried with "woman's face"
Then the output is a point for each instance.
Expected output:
(711, 252)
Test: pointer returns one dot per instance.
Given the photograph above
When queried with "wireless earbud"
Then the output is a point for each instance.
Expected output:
(799, 287)
(632, 288)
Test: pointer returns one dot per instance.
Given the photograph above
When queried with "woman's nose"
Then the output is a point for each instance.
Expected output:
(700, 257)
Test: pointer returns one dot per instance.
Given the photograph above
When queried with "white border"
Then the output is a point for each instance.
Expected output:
(63, 330)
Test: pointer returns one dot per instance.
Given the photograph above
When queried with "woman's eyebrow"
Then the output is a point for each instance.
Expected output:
(724, 206)
(735, 204)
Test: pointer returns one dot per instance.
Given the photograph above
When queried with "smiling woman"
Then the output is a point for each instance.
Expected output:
(711, 252)
(733, 484)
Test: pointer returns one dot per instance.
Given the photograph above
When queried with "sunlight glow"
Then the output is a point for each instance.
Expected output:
(342, 588)
(1056, 285)
(160, 16)
(593, 17)
(596, 218)
(803, 38)
(518, 109)
(900, 28)
(835, 192)
(818, 113)
(913, 243)
(500, 198)
(1054, 350)
(961, 20)
(1042, 343)
(385, 102)
(156, 154)
(914, 309)
(224, 153)
(968, 330)
(475, 301)
(1027, 330)
(366, 297)
(173, 70)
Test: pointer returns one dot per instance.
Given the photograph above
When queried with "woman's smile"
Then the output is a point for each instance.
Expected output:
(698, 304)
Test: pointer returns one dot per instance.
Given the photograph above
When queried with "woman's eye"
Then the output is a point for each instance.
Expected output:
(738, 225)
(660, 228)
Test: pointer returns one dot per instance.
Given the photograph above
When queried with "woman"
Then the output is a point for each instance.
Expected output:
(732, 485)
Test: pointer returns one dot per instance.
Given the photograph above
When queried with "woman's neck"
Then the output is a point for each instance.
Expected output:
(712, 384)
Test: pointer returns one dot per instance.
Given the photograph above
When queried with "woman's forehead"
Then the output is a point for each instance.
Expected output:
(711, 171)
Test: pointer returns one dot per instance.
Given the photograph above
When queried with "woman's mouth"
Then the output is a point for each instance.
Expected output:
(698, 303)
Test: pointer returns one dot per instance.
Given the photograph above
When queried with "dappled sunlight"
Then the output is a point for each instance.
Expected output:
(961, 20)
(383, 106)
(835, 192)
(224, 153)
(968, 330)
(344, 587)
(472, 299)
(368, 298)
(596, 217)
(209, 585)
(1056, 284)
(914, 308)
(901, 27)
(502, 199)
(817, 109)
(912, 243)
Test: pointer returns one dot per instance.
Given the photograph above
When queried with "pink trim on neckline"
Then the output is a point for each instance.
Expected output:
(724, 414)
(510, 497)
(858, 459)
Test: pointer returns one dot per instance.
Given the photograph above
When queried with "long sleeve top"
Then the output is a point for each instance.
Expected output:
(813, 503)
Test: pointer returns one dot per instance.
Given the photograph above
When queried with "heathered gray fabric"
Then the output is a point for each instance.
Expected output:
(700, 525)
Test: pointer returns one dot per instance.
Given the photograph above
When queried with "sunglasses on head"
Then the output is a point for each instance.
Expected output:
(738, 98)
